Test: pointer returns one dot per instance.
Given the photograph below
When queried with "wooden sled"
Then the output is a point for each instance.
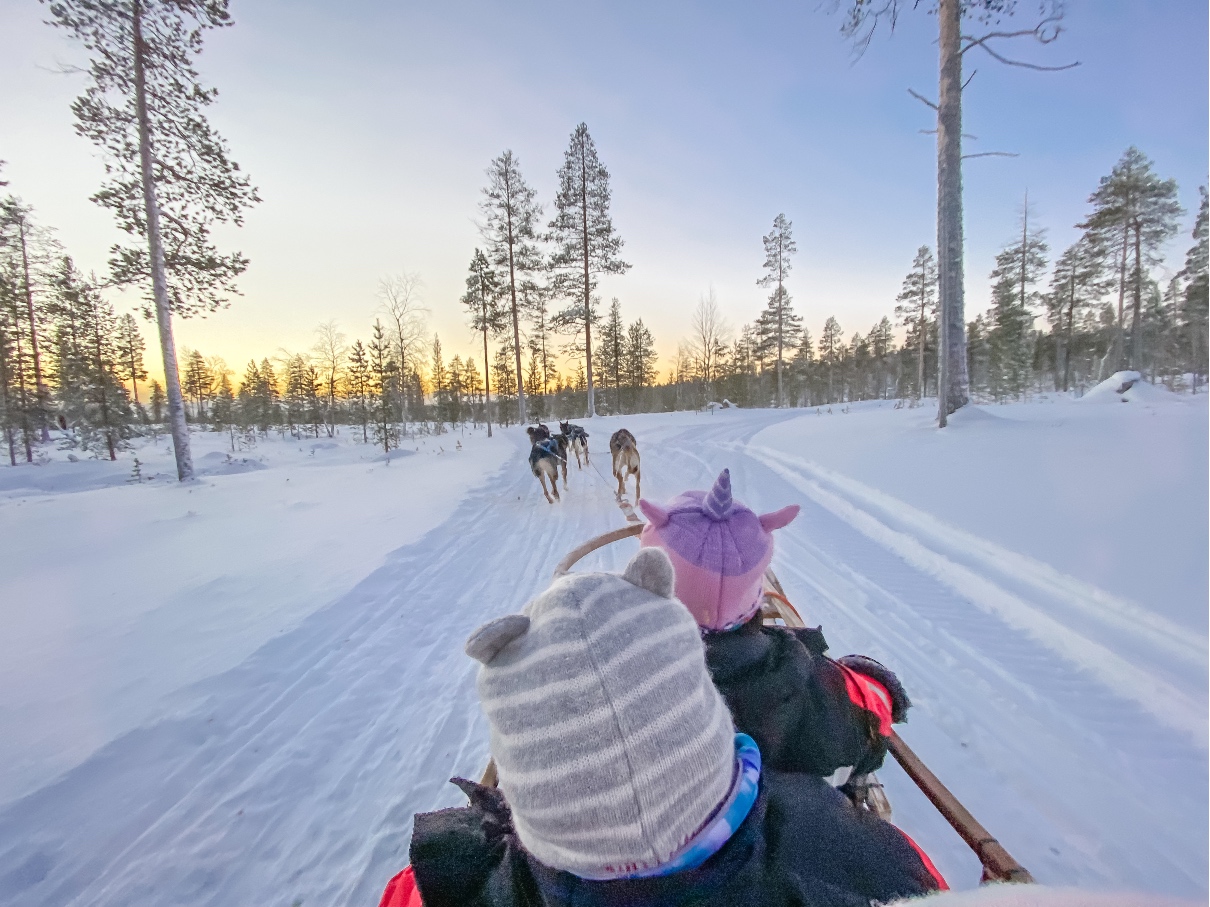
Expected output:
(998, 864)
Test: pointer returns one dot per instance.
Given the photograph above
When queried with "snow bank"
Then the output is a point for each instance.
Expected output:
(117, 594)
(1129, 387)
(1041, 896)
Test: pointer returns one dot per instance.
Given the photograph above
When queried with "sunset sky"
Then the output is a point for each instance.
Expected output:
(367, 127)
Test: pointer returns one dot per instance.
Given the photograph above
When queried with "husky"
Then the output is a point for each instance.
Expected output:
(577, 440)
(544, 460)
(625, 452)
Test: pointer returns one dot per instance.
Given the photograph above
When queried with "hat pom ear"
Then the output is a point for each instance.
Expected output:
(486, 642)
(656, 515)
(778, 518)
(651, 569)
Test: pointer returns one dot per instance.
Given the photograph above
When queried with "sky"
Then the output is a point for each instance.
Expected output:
(367, 127)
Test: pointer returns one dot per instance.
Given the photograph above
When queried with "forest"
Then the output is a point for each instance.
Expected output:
(71, 366)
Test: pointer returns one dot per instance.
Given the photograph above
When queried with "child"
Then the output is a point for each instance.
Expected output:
(622, 780)
(807, 712)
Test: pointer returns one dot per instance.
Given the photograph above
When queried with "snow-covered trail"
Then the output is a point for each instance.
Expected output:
(293, 778)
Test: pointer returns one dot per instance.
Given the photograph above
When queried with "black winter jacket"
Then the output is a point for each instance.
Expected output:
(802, 845)
(791, 699)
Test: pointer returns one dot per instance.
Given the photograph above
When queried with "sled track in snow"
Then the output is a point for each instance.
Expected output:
(294, 777)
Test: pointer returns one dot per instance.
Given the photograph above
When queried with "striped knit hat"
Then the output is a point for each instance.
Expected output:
(613, 746)
(719, 549)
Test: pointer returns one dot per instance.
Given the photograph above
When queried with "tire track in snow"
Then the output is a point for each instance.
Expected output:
(1157, 696)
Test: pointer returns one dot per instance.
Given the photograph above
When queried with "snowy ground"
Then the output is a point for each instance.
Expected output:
(240, 693)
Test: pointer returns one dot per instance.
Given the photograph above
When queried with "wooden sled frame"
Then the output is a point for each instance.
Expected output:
(998, 864)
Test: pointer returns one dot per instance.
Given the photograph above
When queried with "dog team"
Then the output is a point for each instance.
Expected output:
(548, 455)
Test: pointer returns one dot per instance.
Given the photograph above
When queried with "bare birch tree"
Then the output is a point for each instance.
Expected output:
(708, 341)
(400, 296)
(329, 352)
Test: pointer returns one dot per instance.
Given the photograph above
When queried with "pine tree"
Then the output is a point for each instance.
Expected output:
(440, 379)
(20, 401)
(92, 398)
(881, 341)
(1019, 266)
(585, 241)
(222, 411)
(131, 346)
(917, 310)
(482, 301)
(510, 230)
(158, 402)
(198, 382)
(269, 393)
(831, 342)
(383, 375)
(1194, 316)
(1077, 283)
(610, 353)
(169, 177)
(639, 357)
(781, 326)
(1134, 214)
(358, 385)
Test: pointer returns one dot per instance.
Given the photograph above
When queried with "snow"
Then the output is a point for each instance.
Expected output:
(241, 691)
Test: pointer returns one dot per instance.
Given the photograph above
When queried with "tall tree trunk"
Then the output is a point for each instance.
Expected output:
(39, 385)
(1071, 315)
(159, 277)
(1136, 322)
(487, 378)
(7, 402)
(24, 394)
(102, 384)
(953, 386)
(512, 286)
(1117, 348)
(592, 403)
(921, 335)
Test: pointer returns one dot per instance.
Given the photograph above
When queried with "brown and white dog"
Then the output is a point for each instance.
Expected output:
(625, 452)
(545, 455)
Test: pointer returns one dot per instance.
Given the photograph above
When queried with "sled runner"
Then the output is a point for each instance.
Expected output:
(998, 864)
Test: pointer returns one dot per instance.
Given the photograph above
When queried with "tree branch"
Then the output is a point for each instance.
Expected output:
(968, 79)
(991, 154)
(922, 99)
(1044, 32)
(965, 135)
(1025, 65)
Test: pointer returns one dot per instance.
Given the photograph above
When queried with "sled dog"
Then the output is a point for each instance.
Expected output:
(625, 453)
(544, 461)
(577, 440)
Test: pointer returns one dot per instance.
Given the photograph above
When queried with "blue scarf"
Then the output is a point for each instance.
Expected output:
(718, 829)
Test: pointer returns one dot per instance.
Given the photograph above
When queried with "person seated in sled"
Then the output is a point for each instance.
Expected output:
(807, 712)
(623, 780)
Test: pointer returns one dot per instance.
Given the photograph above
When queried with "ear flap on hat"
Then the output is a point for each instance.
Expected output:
(486, 642)
(778, 518)
(656, 515)
(650, 569)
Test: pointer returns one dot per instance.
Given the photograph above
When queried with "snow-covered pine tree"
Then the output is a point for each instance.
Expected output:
(783, 327)
(482, 302)
(585, 241)
(916, 310)
(169, 177)
(510, 230)
(1134, 214)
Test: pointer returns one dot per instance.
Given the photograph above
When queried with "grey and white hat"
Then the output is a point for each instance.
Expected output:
(612, 744)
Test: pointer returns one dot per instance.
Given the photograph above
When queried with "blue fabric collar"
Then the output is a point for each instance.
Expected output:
(731, 814)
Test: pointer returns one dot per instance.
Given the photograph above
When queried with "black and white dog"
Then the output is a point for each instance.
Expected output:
(577, 440)
(546, 452)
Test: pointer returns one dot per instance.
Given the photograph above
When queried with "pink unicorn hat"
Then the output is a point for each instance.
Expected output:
(719, 549)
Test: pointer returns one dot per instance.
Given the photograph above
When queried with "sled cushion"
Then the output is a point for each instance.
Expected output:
(401, 891)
